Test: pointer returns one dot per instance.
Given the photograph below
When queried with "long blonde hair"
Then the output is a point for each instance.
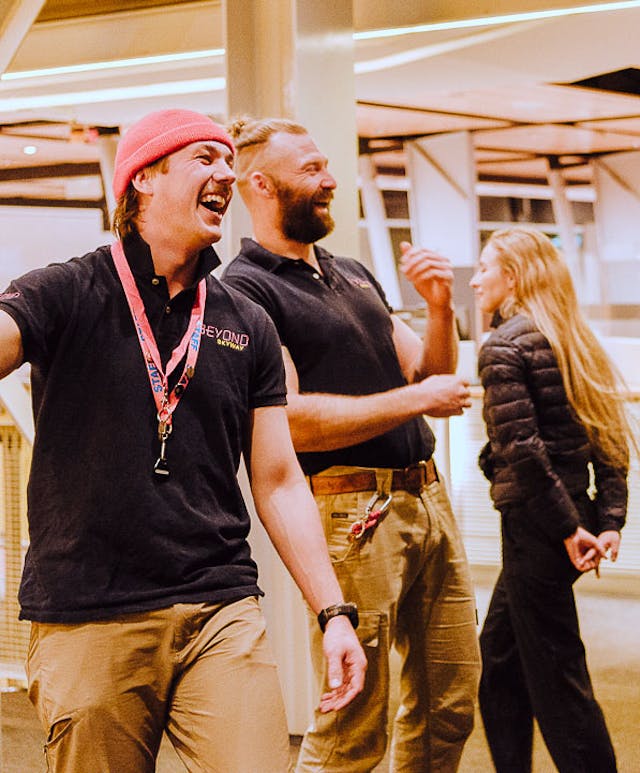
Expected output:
(544, 292)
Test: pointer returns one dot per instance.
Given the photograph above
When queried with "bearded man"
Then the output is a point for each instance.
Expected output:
(358, 383)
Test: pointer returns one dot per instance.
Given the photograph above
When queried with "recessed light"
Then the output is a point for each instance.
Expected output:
(29, 150)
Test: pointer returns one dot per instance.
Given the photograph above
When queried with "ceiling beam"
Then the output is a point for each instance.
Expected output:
(32, 201)
(16, 18)
(69, 169)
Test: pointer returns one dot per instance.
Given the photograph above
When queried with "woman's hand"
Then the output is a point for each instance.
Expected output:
(584, 549)
(610, 543)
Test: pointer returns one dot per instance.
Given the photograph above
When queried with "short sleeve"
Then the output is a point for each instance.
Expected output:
(41, 302)
(268, 385)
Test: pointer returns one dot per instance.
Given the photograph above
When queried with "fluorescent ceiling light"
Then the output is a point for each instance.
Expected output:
(70, 98)
(185, 56)
(409, 55)
(510, 18)
(211, 53)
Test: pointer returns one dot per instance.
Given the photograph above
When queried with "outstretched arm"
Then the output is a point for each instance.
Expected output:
(10, 345)
(288, 511)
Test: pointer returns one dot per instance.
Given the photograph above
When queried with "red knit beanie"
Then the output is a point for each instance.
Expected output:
(159, 134)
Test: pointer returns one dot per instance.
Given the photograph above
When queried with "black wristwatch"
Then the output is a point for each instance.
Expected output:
(350, 610)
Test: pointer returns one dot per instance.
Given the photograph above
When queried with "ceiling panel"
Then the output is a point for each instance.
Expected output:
(533, 103)
(48, 151)
(86, 187)
(477, 80)
(531, 170)
(483, 154)
(392, 121)
(622, 125)
(555, 140)
(55, 10)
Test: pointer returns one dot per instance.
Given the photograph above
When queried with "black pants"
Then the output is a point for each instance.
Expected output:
(534, 661)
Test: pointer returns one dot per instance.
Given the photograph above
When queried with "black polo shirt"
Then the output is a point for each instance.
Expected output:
(107, 535)
(338, 330)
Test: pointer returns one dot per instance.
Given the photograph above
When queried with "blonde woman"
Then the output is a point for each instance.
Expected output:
(557, 460)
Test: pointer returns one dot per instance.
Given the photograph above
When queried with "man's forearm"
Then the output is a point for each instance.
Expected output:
(323, 422)
(440, 344)
(290, 516)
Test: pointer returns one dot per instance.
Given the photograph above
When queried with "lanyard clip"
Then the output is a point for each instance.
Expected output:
(371, 517)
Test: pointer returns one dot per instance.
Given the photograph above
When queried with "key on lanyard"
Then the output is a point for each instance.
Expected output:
(161, 466)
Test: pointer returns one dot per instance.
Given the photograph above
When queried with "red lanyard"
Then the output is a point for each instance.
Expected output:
(166, 400)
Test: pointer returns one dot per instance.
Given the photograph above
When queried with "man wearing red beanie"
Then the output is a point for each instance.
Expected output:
(149, 380)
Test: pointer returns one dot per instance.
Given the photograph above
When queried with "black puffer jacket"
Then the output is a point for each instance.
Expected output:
(538, 453)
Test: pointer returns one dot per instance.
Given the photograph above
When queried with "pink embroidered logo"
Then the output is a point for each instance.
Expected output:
(358, 281)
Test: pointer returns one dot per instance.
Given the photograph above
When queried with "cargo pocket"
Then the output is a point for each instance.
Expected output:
(55, 737)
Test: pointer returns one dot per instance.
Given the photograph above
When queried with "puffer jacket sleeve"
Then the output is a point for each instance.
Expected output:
(513, 432)
(611, 496)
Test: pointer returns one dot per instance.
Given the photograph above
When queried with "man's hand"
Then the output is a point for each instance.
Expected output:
(431, 274)
(584, 550)
(441, 395)
(346, 664)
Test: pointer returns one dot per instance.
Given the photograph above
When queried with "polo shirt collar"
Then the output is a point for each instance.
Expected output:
(257, 254)
(138, 253)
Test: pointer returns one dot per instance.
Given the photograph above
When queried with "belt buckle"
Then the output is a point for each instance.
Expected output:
(424, 465)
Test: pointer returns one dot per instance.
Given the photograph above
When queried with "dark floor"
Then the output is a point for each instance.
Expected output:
(611, 631)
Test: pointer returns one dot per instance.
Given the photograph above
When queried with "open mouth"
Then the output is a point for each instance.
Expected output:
(214, 202)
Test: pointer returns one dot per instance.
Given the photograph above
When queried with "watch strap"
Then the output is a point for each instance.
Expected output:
(349, 609)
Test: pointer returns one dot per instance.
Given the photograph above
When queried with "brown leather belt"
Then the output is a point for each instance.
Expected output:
(411, 479)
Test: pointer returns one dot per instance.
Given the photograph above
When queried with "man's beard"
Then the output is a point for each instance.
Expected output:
(300, 221)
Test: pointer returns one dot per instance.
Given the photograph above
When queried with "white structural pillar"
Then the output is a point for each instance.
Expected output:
(107, 147)
(294, 59)
(375, 216)
(443, 211)
(563, 215)
(616, 180)
(443, 205)
(16, 18)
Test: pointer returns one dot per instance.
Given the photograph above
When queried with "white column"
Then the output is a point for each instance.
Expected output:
(563, 215)
(379, 237)
(107, 147)
(16, 18)
(444, 208)
(616, 180)
(294, 59)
